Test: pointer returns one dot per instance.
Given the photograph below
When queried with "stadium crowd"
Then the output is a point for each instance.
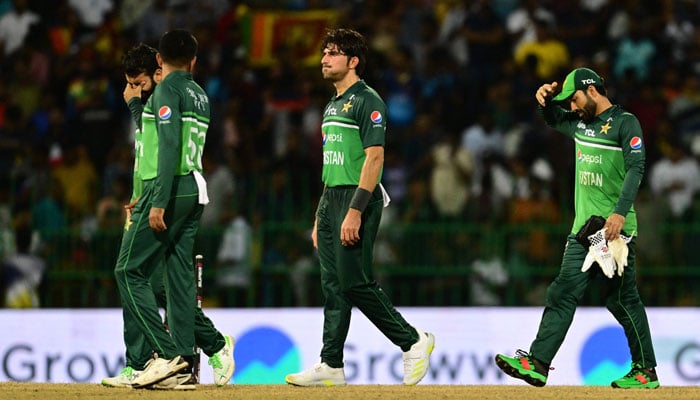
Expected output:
(465, 142)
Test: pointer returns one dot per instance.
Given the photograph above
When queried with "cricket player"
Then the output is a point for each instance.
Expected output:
(609, 168)
(165, 219)
(142, 74)
(347, 218)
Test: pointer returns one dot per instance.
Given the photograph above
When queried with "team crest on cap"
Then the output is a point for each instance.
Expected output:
(376, 117)
(165, 112)
(636, 143)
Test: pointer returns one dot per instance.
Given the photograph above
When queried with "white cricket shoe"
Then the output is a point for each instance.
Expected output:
(223, 363)
(158, 369)
(416, 360)
(123, 380)
(318, 375)
(175, 382)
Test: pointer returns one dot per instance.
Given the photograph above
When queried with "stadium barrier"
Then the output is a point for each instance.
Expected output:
(87, 345)
(421, 264)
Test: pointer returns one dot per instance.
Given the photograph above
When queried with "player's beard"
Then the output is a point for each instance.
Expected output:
(333, 76)
(145, 95)
(588, 111)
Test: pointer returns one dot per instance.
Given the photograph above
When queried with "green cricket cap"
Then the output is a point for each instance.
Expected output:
(578, 79)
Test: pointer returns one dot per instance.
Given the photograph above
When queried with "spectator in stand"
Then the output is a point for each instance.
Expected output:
(153, 22)
(635, 53)
(481, 139)
(521, 24)
(78, 178)
(537, 210)
(15, 25)
(220, 188)
(451, 166)
(550, 53)
(675, 181)
(489, 48)
(92, 13)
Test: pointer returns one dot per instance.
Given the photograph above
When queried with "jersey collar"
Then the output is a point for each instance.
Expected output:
(351, 90)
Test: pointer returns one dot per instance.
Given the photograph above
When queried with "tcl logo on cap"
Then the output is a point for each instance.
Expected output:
(636, 143)
(165, 112)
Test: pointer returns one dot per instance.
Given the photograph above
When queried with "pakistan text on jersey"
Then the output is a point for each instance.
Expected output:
(588, 178)
(333, 158)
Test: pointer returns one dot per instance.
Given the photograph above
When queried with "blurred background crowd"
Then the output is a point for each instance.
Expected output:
(481, 189)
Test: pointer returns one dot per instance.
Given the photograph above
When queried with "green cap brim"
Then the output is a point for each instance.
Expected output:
(564, 95)
(568, 87)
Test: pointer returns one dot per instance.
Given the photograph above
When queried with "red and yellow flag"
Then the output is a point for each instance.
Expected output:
(301, 32)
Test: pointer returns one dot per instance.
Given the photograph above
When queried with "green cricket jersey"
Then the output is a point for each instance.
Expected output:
(609, 162)
(351, 122)
(174, 126)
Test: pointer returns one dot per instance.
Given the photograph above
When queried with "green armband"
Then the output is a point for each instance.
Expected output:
(360, 199)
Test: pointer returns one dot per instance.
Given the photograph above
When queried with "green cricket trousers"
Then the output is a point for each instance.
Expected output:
(142, 251)
(622, 300)
(347, 279)
(138, 351)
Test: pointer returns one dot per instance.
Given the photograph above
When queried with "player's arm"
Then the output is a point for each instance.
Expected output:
(166, 104)
(634, 154)
(372, 167)
(553, 114)
(136, 109)
(132, 98)
(371, 117)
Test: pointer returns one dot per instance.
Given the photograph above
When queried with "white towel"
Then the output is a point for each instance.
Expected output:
(202, 186)
(385, 196)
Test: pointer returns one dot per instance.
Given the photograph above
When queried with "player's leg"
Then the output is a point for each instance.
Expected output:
(356, 278)
(626, 306)
(138, 353)
(140, 252)
(336, 308)
(562, 298)
(182, 216)
(217, 346)
(139, 248)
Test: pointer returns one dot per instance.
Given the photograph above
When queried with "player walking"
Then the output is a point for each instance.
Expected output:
(165, 219)
(609, 168)
(347, 218)
(142, 74)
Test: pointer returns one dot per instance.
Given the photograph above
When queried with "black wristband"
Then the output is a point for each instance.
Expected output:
(360, 199)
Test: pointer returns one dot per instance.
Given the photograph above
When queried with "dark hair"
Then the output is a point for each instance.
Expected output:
(140, 59)
(177, 47)
(350, 42)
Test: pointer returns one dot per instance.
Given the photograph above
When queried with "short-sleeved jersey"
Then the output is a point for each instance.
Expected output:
(609, 157)
(352, 122)
(174, 127)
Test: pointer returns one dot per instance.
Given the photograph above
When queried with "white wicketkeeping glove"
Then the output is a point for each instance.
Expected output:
(619, 250)
(600, 252)
(588, 262)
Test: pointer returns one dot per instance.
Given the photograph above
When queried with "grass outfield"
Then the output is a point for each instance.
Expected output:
(70, 391)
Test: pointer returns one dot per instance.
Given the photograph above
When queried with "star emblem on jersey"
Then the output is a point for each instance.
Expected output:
(347, 106)
(604, 128)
